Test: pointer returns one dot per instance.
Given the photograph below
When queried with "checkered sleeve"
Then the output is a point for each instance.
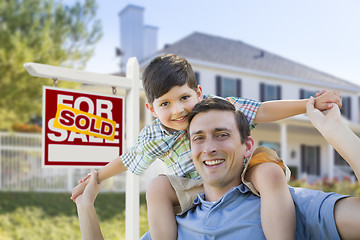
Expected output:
(248, 106)
(151, 143)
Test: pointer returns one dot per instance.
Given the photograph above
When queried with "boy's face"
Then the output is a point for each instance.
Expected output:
(173, 108)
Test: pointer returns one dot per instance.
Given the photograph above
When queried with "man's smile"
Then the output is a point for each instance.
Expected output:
(214, 162)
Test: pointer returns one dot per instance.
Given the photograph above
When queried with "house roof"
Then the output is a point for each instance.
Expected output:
(223, 51)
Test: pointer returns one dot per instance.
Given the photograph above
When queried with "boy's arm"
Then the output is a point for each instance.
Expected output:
(276, 110)
(111, 169)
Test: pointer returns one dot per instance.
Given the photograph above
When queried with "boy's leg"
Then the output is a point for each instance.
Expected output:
(161, 198)
(278, 218)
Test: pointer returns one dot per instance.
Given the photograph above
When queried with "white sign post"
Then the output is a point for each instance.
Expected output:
(132, 85)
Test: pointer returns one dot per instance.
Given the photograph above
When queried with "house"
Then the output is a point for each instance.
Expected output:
(228, 67)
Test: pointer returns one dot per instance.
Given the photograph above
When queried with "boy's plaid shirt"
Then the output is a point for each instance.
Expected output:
(173, 148)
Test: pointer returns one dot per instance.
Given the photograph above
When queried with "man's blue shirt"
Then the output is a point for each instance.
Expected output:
(236, 215)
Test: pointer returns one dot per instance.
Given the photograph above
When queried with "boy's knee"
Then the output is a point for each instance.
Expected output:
(159, 187)
(270, 175)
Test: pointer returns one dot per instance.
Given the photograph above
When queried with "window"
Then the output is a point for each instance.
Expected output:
(269, 92)
(339, 161)
(346, 107)
(228, 87)
(310, 160)
(272, 145)
(304, 94)
(197, 77)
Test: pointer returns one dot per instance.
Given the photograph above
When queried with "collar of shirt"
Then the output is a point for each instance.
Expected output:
(200, 199)
(166, 132)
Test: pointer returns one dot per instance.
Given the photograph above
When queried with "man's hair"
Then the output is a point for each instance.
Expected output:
(165, 72)
(220, 104)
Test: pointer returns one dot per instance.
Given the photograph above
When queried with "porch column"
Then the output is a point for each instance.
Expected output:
(283, 141)
(331, 162)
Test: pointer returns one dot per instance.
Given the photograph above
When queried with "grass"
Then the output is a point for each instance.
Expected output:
(37, 216)
(30, 216)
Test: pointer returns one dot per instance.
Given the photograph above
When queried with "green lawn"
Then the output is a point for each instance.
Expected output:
(36, 216)
(52, 216)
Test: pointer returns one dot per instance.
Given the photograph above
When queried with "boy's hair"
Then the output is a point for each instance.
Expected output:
(219, 104)
(165, 72)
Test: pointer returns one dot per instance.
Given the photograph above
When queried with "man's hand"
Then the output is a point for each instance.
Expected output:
(91, 190)
(89, 223)
(79, 189)
(325, 99)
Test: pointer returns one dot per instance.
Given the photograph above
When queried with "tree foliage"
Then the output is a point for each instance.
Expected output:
(42, 31)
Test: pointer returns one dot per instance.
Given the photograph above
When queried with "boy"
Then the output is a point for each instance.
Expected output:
(172, 92)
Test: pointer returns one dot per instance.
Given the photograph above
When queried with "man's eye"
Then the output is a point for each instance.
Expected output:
(185, 97)
(164, 104)
(223, 135)
(197, 138)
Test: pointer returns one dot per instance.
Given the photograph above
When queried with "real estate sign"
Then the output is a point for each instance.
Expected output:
(81, 129)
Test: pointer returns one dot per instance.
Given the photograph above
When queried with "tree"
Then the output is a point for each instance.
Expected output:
(42, 31)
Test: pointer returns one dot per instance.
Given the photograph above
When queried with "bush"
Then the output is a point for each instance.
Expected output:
(30, 215)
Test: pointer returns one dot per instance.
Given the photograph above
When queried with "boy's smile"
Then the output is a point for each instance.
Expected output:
(173, 108)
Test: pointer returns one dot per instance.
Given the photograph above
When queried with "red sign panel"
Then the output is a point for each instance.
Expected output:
(80, 135)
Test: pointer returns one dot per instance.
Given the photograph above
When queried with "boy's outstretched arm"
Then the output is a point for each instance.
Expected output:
(280, 109)
(113, 168)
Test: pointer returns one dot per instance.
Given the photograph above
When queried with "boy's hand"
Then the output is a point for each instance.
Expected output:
(325, 100)
(321, 120)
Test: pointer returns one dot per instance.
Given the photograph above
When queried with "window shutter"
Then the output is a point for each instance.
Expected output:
(359, 110)
(349, 108)
(218, 86)
(303, 168)
(197, 77)
(262, 92)
(318, 160)
(302, 93)
(238, 87)
(278, 92)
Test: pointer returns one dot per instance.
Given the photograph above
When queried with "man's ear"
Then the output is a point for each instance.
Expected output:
(151, 109)
(249, 147)
(199, 93)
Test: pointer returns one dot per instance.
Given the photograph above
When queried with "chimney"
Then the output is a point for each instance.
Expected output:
(150, 40)
(136, 39)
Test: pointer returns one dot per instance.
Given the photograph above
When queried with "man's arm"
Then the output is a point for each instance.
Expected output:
(89, 224)
(336, 133)
(113, 168)
(280, 109)
(347, 144)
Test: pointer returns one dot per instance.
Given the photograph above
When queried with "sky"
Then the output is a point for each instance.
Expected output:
(322, 34)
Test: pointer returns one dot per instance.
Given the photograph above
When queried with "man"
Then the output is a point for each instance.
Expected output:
(220, 143)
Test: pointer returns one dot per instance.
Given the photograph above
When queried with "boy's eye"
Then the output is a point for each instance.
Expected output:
(164, 104)
(185, 97)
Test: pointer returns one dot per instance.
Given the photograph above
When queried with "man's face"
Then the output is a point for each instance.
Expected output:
(173, 108)
(216, 148)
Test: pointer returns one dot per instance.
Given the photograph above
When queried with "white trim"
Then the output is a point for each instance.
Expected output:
(73, 75)
(273, 75)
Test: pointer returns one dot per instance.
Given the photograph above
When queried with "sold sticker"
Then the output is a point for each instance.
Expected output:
(75, 120)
